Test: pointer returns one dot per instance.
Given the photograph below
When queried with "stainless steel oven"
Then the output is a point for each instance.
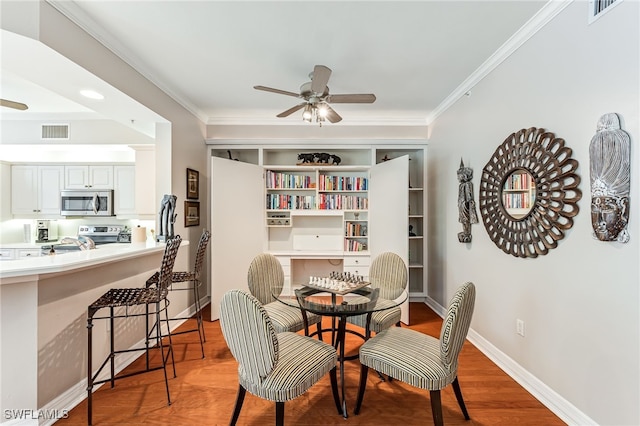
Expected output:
(86, 203)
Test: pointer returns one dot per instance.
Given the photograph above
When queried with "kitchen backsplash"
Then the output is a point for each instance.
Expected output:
(13, 231)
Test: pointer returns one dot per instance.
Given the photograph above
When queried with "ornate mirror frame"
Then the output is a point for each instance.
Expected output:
(549, 162)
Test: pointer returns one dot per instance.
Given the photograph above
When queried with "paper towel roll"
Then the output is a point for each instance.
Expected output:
(139, 234)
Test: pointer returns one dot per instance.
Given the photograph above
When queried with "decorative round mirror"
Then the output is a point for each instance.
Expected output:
(529, 193)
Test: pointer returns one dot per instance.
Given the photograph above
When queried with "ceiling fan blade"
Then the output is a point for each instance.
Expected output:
(332, 115)
(14, 105)
(361, 98)
(281, 92)
(320, 78)
(291, 110)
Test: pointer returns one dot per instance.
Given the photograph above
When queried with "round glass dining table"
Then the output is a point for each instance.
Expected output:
(340, 305)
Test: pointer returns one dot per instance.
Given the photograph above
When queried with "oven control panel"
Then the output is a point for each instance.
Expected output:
(100, 230)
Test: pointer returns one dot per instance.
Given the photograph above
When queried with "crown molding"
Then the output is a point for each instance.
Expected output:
(528, 30)
(72, 11)
(270, 121)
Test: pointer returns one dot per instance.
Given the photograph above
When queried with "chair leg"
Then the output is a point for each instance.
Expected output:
(458, 392)
(112, 347)
(239, 400)
(166, 316)
(334, 389)
(364, 372)
(279, 413)
(89, 372)
(319, 332)
(196, 296)
(164, 361)
(436, 408)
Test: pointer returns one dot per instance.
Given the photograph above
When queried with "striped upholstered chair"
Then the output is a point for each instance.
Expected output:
(275, 366)
(421, 360)
(266, 279)
(388, 272)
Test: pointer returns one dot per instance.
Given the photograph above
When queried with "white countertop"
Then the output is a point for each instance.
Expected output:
(77, 259)
(26, 245)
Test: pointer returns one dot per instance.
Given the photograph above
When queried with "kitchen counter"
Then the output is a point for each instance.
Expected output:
(43, 310)
(76, 259)
(25, 245)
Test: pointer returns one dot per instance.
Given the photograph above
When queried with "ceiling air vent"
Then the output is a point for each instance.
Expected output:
(597, 8)
(55, 131)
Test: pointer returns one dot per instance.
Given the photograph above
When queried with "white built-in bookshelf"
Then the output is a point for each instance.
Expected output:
(317, 217)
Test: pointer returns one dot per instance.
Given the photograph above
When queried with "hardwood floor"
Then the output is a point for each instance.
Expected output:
(204, 392)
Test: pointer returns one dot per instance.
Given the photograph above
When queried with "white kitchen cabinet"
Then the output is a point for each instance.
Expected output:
(35, 190)
(27, 253)
(7, 254)
(88, 177)
(124, 190)
(315, 237)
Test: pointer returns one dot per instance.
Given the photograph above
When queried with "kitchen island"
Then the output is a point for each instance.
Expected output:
(43, 309)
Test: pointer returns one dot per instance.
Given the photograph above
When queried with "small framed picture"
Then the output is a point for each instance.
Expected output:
(191, 213)
(193, 184)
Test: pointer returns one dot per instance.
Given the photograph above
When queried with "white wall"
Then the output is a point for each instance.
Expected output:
(179, 141)
(580, 303)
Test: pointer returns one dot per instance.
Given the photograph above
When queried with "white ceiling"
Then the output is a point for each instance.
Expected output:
(208, 55)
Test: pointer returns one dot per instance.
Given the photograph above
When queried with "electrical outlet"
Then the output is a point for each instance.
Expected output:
(520, 327)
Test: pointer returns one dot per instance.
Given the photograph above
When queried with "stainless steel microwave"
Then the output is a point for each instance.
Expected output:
(86, 203)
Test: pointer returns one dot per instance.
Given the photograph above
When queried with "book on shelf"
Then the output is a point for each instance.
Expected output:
(354, 245)
(343, 183)
(355, 229)
(342, 202)
(290, 202)
(279, 180)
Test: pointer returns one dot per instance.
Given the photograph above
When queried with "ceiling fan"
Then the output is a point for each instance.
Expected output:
(317, 98)
(13, 104)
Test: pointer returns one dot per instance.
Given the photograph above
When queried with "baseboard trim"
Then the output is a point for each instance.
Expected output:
(78, 392)
(562, 408)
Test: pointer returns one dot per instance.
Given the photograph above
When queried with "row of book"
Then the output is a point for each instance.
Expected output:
(277, 180)
(343, 183)
(307, 202)
(290, 202)
(353, 245)
(517, 200)
(518, 181)
(342, 202)
(355, 229)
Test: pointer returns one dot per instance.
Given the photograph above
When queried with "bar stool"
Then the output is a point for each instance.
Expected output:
(192, 277)
(128, 298)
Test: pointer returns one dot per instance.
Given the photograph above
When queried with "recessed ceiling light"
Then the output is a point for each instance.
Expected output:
(91, 94)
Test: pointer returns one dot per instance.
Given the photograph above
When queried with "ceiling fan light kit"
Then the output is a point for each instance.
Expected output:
(315, 94)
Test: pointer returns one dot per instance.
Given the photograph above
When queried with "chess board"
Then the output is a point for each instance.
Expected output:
(335, 286)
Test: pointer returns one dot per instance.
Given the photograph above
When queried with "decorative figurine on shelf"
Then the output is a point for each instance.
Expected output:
(336, 160)
(411, 233)
(466, 205)
(167, 217)
(230, 157)
(306, 158)
(610, 180)
(321, 157)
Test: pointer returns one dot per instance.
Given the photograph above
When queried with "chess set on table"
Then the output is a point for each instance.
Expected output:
(338, 283)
